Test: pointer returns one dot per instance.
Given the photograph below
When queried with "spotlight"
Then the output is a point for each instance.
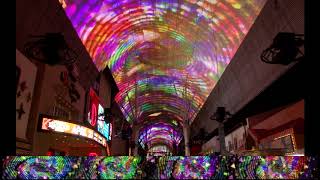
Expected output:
(284, 49)
(50, 49)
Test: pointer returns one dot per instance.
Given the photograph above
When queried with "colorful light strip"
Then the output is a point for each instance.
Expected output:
(195, 167)
(122, 167)
(165, 56)
(165, 167)
(41, 167)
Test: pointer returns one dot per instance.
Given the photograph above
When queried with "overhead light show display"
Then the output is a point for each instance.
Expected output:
(159, 133)
(165, 55)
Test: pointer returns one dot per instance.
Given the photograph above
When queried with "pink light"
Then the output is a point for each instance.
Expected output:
(93, 154)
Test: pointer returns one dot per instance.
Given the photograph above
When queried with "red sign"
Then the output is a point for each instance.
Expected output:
(93, 108)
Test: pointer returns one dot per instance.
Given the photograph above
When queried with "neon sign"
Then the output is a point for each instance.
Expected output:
(93, 108)
(70, 128)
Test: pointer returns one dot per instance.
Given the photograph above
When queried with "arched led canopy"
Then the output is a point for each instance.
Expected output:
(159, 94)
(159, 133)
(165, 55)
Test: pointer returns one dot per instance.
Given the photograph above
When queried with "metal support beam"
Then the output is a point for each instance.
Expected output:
(186, 134)
(222, 139)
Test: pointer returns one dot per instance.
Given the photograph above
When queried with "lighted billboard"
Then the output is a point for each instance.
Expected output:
(49, 124)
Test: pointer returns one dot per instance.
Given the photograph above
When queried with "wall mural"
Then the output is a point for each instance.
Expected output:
(25, 80)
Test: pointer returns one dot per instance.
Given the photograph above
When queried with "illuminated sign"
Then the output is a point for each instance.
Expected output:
(110, 132)
(93, 154)
(70, 128)
(93, 108)
(103, 127)
(100, 113)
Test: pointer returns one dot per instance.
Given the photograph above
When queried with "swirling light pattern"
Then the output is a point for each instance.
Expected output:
(251, 167)
(284, 167)
(39, 167)
(121, 167)
(164, 167)
(159, 133)
(195, 167)
(166, 55)
(88, 168)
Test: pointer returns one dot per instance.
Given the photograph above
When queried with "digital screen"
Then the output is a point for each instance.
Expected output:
(100, 113)
(103, 127)
(164, 55)
(71, 128)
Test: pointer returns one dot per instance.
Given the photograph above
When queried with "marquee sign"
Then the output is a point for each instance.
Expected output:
(49, 124)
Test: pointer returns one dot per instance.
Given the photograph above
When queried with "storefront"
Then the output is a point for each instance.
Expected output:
(280, 131)
(66, 138)
(76, 122)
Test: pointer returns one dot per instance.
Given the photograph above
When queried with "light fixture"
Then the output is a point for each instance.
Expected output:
(50, 49)
(155, 114)
(284, 49)
(220, 115)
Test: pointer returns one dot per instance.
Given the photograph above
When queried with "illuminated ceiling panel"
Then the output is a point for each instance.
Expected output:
(165, 55)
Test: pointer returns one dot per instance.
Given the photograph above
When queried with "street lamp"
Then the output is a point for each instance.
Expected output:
(221, 115)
